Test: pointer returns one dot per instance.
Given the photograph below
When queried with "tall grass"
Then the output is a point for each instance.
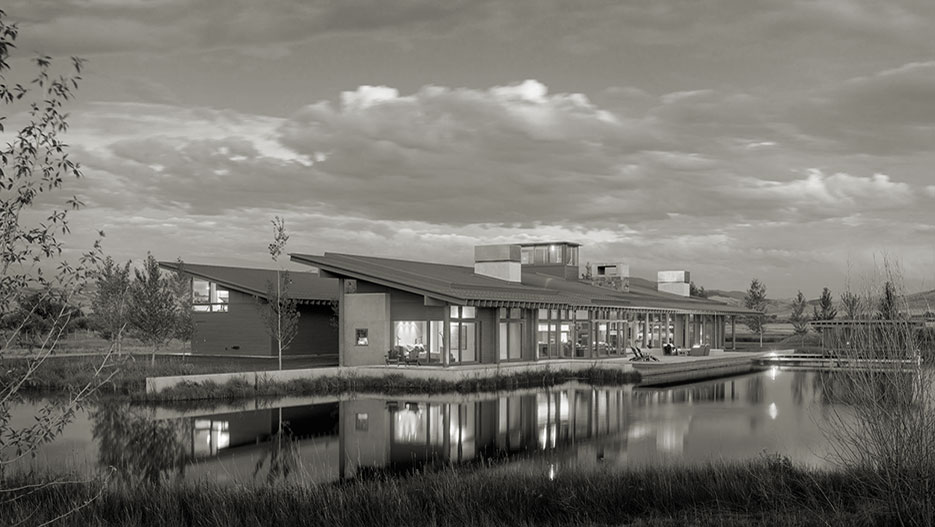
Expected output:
(764, 492)
(60, 374)
(885, 424)
(389, 384)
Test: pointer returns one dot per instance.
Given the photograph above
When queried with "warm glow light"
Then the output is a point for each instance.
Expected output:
(551, 471)
(773, 372)
(773, 411)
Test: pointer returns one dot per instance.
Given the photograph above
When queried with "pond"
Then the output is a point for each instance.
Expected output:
(325, 439)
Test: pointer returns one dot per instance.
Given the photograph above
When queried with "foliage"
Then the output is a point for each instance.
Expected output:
(853, 305)
(755, 299)
(181, 286)
(769, 491)
(154, 309)
(110, 302)
(140, 448)
(248, 386)
(34, 168)
(697, 291)
(279, 311)
(798, 317)
(827, 310)
(38, 313)
(886, 427)
(888, 308)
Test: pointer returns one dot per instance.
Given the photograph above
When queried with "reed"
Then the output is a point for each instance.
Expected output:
(768, 491)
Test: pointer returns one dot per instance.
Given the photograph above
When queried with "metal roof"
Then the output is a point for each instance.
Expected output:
(460, 285)
(305, 287)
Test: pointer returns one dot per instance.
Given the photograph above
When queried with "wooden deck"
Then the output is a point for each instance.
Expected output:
(816, 361)
(681, 368)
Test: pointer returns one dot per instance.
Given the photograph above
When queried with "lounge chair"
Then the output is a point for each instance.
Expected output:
(699, 350)
(639, 356)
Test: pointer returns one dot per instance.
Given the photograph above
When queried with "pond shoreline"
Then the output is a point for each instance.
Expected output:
(64, 374)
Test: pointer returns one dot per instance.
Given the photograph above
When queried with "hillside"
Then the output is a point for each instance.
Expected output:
(918, 303)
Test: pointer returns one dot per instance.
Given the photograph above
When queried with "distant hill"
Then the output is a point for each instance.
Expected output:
(918, 303)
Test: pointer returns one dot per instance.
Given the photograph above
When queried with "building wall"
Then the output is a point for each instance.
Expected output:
(370, 311)
(488, 321)
(316, 335)
(239, 331)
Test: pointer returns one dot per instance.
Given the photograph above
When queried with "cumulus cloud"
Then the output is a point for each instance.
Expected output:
(439, 169)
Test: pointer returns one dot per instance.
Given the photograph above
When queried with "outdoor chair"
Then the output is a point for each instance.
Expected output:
(392, 357)
(639, 356)
(412, 357)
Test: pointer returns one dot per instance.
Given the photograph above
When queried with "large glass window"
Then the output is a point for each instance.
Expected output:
(208, 297)
(462, 335)
(419, 340)
(582, 338)
(510, 341)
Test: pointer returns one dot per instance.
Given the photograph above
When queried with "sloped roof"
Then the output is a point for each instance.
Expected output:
(460, 285)
(305, 287)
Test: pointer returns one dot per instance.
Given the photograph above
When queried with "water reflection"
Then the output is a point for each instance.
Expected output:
(543, 429)
(138, 447)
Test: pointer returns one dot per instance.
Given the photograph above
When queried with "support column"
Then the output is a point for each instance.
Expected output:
(645, 329)
(668, 326)
(733, 332)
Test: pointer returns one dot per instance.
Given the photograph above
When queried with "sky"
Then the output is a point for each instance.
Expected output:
(788, 140)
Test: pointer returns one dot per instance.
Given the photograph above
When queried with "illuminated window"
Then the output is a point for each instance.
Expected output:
(360, 336)
(361, 422)
(208, 297)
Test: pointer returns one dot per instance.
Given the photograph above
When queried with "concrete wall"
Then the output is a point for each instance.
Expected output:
(363, 445)
(370, 311)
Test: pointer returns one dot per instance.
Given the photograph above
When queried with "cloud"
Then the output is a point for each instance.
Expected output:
(887, 113)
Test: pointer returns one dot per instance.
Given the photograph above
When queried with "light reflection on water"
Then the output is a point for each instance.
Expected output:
(575, 424)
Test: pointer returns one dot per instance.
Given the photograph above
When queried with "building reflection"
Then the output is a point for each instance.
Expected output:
(574, 424)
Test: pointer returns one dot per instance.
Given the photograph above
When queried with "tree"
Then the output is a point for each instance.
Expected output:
(888, 308)
(798, 318)
(154, 309)
(853, 306)
(826, 303)
(755, 299)
(38, 313)
(34, 169)
(696, 291)
(279, 311)
(181, 286)
(111, 300)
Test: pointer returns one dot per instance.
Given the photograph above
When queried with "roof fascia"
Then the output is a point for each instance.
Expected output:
(381, 281)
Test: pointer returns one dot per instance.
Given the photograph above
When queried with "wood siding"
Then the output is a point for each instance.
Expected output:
(239, 331)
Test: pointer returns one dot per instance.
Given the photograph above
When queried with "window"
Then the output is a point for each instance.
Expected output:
(361, 422)
(510, 334)
(462, 334)
(414, 342)
(360, 336)
(526, 256)
(208, 297)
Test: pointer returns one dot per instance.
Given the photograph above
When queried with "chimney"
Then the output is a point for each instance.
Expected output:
(674, 282)
(614, 276)
(498, 261)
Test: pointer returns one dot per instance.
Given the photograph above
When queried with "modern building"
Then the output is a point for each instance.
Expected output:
(522, 302)
(227, 304)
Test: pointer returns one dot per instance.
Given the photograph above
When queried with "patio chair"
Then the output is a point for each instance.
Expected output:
(412, 357)
(639, 356)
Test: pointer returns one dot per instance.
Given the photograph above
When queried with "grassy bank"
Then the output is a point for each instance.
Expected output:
(62, 374)
(765, 492)
(390, 384)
